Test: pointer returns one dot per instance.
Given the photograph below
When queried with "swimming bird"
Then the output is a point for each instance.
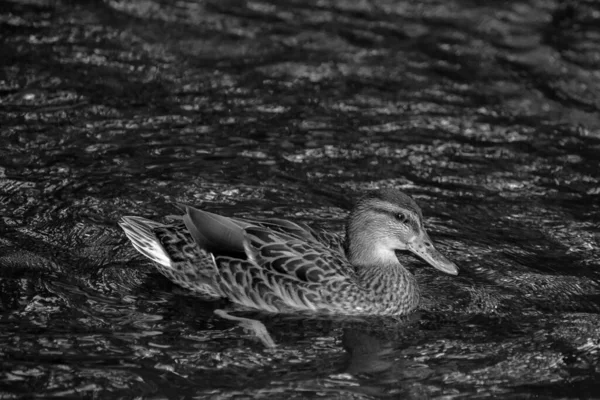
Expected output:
(277, 265)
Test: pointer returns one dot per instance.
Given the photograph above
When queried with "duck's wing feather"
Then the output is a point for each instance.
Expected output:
(331, 240)
(279, 246)
(283, 273)
(286, 255)
(286, 227)
(273, 265)
(215, 233)
(303, 232)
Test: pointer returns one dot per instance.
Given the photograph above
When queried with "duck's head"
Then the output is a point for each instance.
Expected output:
(388, 220)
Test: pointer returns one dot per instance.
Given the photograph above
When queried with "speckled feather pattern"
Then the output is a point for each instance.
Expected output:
(281, 266)
(285, 270)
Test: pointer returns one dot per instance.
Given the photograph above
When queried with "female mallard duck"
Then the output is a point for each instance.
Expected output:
(281, 266)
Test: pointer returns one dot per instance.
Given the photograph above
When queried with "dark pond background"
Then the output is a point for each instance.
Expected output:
(487, 113)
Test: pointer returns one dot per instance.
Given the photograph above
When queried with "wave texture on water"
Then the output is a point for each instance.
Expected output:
(486, 114)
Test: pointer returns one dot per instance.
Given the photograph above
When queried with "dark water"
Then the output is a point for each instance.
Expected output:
(487, 114)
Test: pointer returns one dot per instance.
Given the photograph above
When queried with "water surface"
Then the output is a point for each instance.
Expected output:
(486, 115)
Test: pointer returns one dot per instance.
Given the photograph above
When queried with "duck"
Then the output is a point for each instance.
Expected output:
(280, 266)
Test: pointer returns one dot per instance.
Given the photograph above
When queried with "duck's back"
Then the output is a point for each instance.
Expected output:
(273, 265)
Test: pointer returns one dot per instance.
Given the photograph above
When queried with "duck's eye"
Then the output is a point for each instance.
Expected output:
(401, 217)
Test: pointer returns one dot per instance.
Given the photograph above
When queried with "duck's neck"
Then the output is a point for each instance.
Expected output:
(387, 281)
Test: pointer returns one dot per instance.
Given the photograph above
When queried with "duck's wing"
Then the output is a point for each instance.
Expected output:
(280, 246)
(273, 265)
(292, 273)
(215, 233)
(302, 231)
(306, 261)
(331, 240)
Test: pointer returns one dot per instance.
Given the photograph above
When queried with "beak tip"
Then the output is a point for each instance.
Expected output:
(451, 269)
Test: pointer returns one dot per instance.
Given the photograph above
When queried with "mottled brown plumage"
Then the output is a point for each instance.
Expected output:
(281, 266)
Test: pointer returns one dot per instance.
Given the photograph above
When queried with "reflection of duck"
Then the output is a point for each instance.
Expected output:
(281, 266)
(368, 354)
(384, 358)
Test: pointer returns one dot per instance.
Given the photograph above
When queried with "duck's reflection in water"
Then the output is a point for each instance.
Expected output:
(372, 344)
(379, 355)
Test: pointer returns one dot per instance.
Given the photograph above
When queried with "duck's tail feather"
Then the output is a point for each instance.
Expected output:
(140, 232)
(175, 253)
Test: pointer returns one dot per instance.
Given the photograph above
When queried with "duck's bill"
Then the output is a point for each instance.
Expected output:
(423, 248)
